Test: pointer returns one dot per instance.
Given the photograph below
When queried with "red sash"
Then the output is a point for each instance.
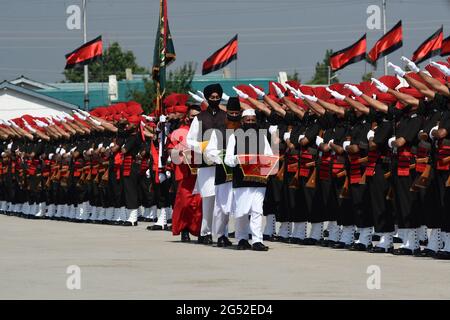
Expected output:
(325, 166)
(404, 160)
(442, 153)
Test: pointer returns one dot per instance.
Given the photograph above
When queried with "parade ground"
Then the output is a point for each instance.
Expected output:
(133, 263)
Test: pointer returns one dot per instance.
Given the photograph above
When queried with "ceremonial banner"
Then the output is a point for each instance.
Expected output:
(221, 57)
(387, 44)
(85, 54)
(352, 54)
(257, 167)
(429, 48)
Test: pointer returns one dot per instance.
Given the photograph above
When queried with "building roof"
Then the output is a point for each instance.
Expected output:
(5, 85)
(28, 83)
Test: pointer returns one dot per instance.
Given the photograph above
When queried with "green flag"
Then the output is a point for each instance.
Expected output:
(164, 53)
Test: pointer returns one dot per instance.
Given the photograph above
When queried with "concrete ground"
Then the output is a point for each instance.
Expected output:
(133, 263)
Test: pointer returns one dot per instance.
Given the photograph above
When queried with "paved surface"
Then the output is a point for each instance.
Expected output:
(133, 263)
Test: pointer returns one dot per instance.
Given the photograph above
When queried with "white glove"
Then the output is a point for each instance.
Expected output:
(286, 135)
(201, 95)
(225, 97)
(442, 68)
(431, 131)
(12, 123)
(68, 116)
(87, 114)
(162, 177)
(280, 93)
(4, 122)
(39, 123)
(380, 85)
(335, 94)
(273, 129)
(311, 98)
(62, 151)
(319, 141)
(259, 92)
(58, 150)
(168, 174)
(410, 64)
(50, 121)
(147, 173)
(301, 137)
(330, 142)
(97, 123)
(353, 89)
(345, 144)
(9, 146)
(196, 97)
(213, 155)
(162, 118)
(79, 115)
(151, 119)
(240, 93)
(370, 134)
(73, 149)
(100, 145)
(397, 69)
(391, 141)
(30, 128)
(296, 93)
(111, 144)
(50, 156)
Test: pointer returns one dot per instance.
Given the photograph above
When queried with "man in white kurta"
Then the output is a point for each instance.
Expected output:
(247, 200)
(213, 118)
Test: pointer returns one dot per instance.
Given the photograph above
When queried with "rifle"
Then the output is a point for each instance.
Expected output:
(345, 192)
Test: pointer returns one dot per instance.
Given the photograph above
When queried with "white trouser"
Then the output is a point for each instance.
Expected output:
(270, 228)
(446, 237)
(220, 223)
(50, 210)
(109, 213)
(256, 227)
(207, 215)
(241, 226)
(153, 212)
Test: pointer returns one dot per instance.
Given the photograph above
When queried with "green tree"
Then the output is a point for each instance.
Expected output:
(294, 76)
(179, 81)
(114, 61)
(367, 76)
(321, 72)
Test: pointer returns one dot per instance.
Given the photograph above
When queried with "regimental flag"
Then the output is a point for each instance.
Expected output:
(164, 53)
(85, 54)
(387, 44)
(430, 47)
(352, 54)
(221, 57)
(445, 48)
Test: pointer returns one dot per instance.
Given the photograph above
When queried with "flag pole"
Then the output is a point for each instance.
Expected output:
(384, 32)
(86, 70)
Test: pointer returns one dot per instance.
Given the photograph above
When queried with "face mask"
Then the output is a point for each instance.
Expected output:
(248, 126)
(233, 118)
(213, 103)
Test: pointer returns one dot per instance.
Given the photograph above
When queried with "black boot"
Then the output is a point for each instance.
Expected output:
(258, 246)
(224, 242)
(185, 236)
(243, 245)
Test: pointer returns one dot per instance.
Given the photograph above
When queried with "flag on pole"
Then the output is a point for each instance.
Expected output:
(352, 54)
(164, 53)
(387, 44)
(445, 49)
(221, 57)
(430, 47)
(87, 53)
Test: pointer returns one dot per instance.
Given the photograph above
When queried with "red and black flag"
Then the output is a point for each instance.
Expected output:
(87, 53)
(445, 49)
(429, 48)
(221, 57)
(352, 54)
(387, 44)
